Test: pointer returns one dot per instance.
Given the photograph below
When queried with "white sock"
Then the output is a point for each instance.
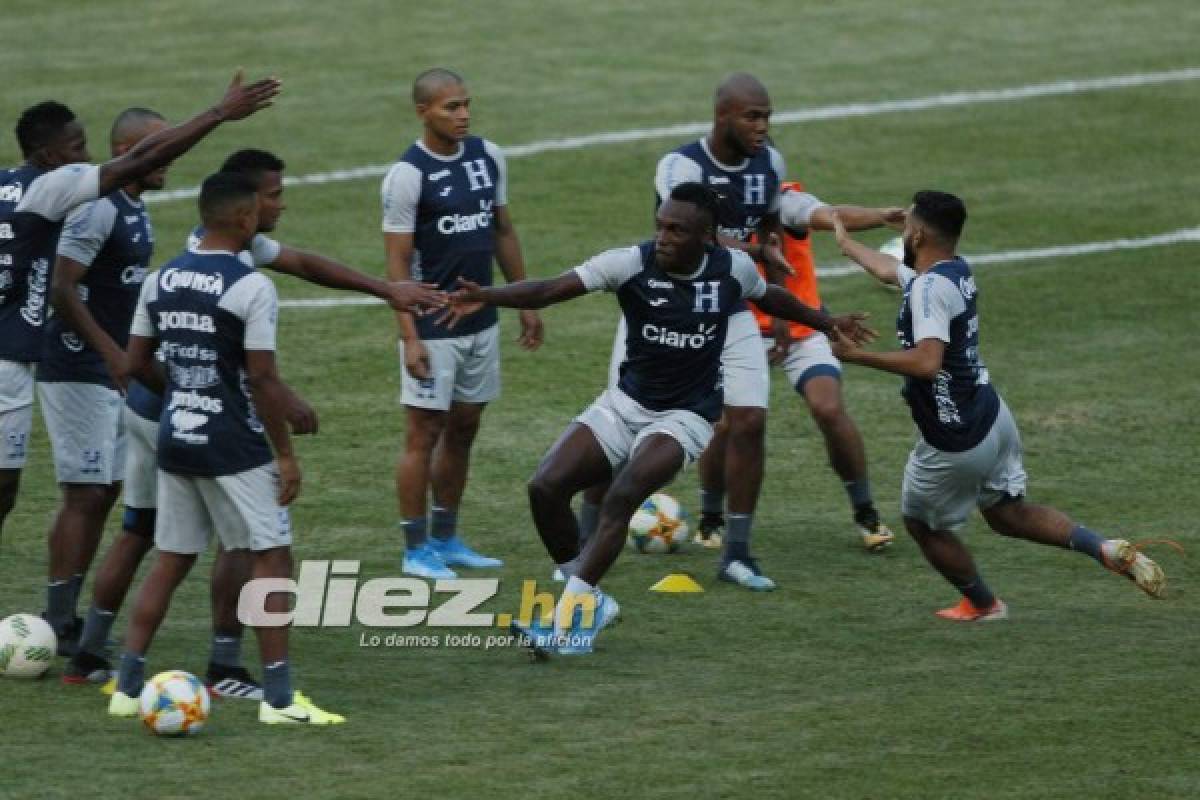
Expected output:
(575, 588)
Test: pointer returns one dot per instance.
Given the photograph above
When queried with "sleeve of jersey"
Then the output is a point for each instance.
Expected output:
(753, 285)
(796, 208)
(87, 228)
(674, 169)
(497, 155)
(142, 324)
(935, 301)
(54, 194)
(264, 250)
(904, 275)
(258, 306)
(607, 271)
(401, 193)
(780, 167)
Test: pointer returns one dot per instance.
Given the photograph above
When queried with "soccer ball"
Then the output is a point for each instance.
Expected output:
(174, 703)
(27, 645)
(659, 526)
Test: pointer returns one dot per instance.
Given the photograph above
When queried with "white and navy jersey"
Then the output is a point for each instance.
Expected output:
(448, 204)
(33, 205)
(675, 325)
(262, 252)
(206, 309)
(955, 410)
(749, 191)
(112, 237)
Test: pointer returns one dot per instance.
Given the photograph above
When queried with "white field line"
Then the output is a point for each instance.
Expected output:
(1183, 235)
(951, 99)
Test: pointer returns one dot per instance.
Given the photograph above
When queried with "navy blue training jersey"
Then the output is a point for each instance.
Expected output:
(113, 238)
(955, 410)
(448, 204)
(33, 204)
(207, 309)
(675, 325)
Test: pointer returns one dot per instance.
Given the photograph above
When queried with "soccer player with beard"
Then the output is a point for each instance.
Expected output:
(969, 450)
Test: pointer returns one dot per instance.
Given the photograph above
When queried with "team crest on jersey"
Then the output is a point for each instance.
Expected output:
(708, 296)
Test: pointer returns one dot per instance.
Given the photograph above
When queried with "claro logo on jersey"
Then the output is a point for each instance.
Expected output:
(467, 223)
(174, 278)
(185, 320)
(683, 341)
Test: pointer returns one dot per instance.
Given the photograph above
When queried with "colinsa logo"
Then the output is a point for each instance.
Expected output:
(175, 278)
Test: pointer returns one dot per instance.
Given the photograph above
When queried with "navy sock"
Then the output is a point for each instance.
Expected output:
(60, 608)
(415, 532)
(96, 627)
(859, 492)
(131, 674)
(975, 590)
(226, 650)
(589, 517)
(1087, 541)
(445, 523)
(277, 684)
(712, 501)
(737, 537)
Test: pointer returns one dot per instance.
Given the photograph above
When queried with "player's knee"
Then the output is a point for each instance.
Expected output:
(1004, 518)
(90, 499)
(747, 425)
(543, 488)
(827, 412)
(422, 435)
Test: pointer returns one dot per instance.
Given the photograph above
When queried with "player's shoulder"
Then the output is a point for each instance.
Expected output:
(775, 159)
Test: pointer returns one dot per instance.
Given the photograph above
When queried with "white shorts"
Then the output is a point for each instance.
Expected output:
(16, 412)
(241, 509)
(141, 460)
(941, 488)
(465, 369)
(744, 370)
(620, 424)
(83, 421)
(808, 358)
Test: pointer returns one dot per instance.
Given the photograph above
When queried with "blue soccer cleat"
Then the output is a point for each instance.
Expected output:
(580, 639)
(745, 572)
(454, 552)
(424, 562)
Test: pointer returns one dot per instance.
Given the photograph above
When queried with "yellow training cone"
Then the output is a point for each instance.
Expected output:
(677, 583)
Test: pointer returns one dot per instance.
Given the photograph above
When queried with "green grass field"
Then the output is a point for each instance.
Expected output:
(841, 684)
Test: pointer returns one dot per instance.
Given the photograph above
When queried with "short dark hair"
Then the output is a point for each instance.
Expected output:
(700, 196)
(40, 125)
(942, 211)
(429, 82)
(221, 192)
(129, 118)
(252, 162)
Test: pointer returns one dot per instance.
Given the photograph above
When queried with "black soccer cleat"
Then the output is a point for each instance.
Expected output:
(234, 682)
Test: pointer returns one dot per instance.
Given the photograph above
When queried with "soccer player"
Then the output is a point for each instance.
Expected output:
(226, 464)
(445, 216)
(225, 674)
(103, 256)
(805, 356)
(677, 295)
(969, 450)
(35, 198)
(737, 162)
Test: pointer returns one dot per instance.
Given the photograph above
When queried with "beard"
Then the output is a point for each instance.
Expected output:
(910, 255)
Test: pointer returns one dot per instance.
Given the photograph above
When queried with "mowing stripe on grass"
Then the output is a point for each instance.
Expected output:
(1181, 236)
(948, 100)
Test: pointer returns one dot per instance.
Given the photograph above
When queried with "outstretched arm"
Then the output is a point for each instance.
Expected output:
(856, 218)
(880, 265)
(782, 304)
(923, 361)
(401, 295)
(522, 294)
(165, 146)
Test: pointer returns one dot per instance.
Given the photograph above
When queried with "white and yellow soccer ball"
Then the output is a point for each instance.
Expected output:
(27, 645)
(659, 526)
(174, 703)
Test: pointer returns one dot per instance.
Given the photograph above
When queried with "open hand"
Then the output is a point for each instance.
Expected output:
(773, 259)
(851, 327)
(289, 478)
(419, 298)
(241, 101)
(532, 331)
(462, 303)
(781, 330)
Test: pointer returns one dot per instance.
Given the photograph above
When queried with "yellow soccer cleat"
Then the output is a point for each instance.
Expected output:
(122, 705)
(302, 711)
(1124, 558)
(877, 537)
